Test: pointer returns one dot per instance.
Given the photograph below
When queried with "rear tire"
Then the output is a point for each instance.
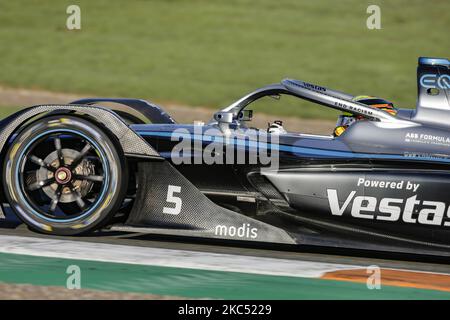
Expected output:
(63, 175)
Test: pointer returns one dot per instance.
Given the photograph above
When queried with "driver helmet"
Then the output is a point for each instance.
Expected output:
(347, 119)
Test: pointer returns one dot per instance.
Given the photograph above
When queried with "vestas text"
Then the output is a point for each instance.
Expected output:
(410, 210)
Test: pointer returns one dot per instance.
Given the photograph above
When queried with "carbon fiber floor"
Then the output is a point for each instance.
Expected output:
(416, 263)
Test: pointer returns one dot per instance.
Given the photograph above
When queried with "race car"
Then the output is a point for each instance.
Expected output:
(381, 184)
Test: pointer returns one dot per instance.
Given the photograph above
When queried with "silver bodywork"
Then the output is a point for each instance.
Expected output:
(423, 132)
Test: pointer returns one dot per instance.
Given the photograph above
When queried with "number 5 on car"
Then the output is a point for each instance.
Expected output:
(173, 199)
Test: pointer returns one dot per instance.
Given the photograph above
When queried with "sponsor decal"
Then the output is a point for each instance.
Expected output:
(314, 87)
(354, 109)
(424, 138)
(244, 231)
(426, 155)
(383, 184)
(434, 81)
(409, 210)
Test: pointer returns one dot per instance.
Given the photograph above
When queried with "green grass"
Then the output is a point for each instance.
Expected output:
(6, 111)
(207, 52)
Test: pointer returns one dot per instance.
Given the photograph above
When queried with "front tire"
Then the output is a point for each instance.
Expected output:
(63, 175)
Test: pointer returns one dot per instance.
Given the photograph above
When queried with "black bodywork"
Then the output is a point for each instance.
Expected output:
(383, 185)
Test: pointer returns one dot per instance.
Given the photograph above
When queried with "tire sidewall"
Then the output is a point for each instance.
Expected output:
(112, 195)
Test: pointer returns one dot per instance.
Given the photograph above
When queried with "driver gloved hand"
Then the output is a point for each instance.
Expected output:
(276, 127)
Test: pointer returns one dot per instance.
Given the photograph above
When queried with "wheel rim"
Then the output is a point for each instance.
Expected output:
(62, 175)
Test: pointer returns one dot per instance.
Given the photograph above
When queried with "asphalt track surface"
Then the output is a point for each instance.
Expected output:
(406, 262)
(160, 267)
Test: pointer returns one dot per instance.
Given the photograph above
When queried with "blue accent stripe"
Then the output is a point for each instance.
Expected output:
(434, 61)
(304, 151)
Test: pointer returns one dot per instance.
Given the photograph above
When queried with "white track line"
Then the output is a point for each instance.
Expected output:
(79, 250)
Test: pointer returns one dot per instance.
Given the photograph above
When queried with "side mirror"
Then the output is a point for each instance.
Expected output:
(223, 117)
(246, 115)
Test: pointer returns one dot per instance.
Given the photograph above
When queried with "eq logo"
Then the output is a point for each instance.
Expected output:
(434, 81)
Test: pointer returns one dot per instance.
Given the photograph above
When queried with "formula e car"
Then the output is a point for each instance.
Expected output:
(380, 183)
